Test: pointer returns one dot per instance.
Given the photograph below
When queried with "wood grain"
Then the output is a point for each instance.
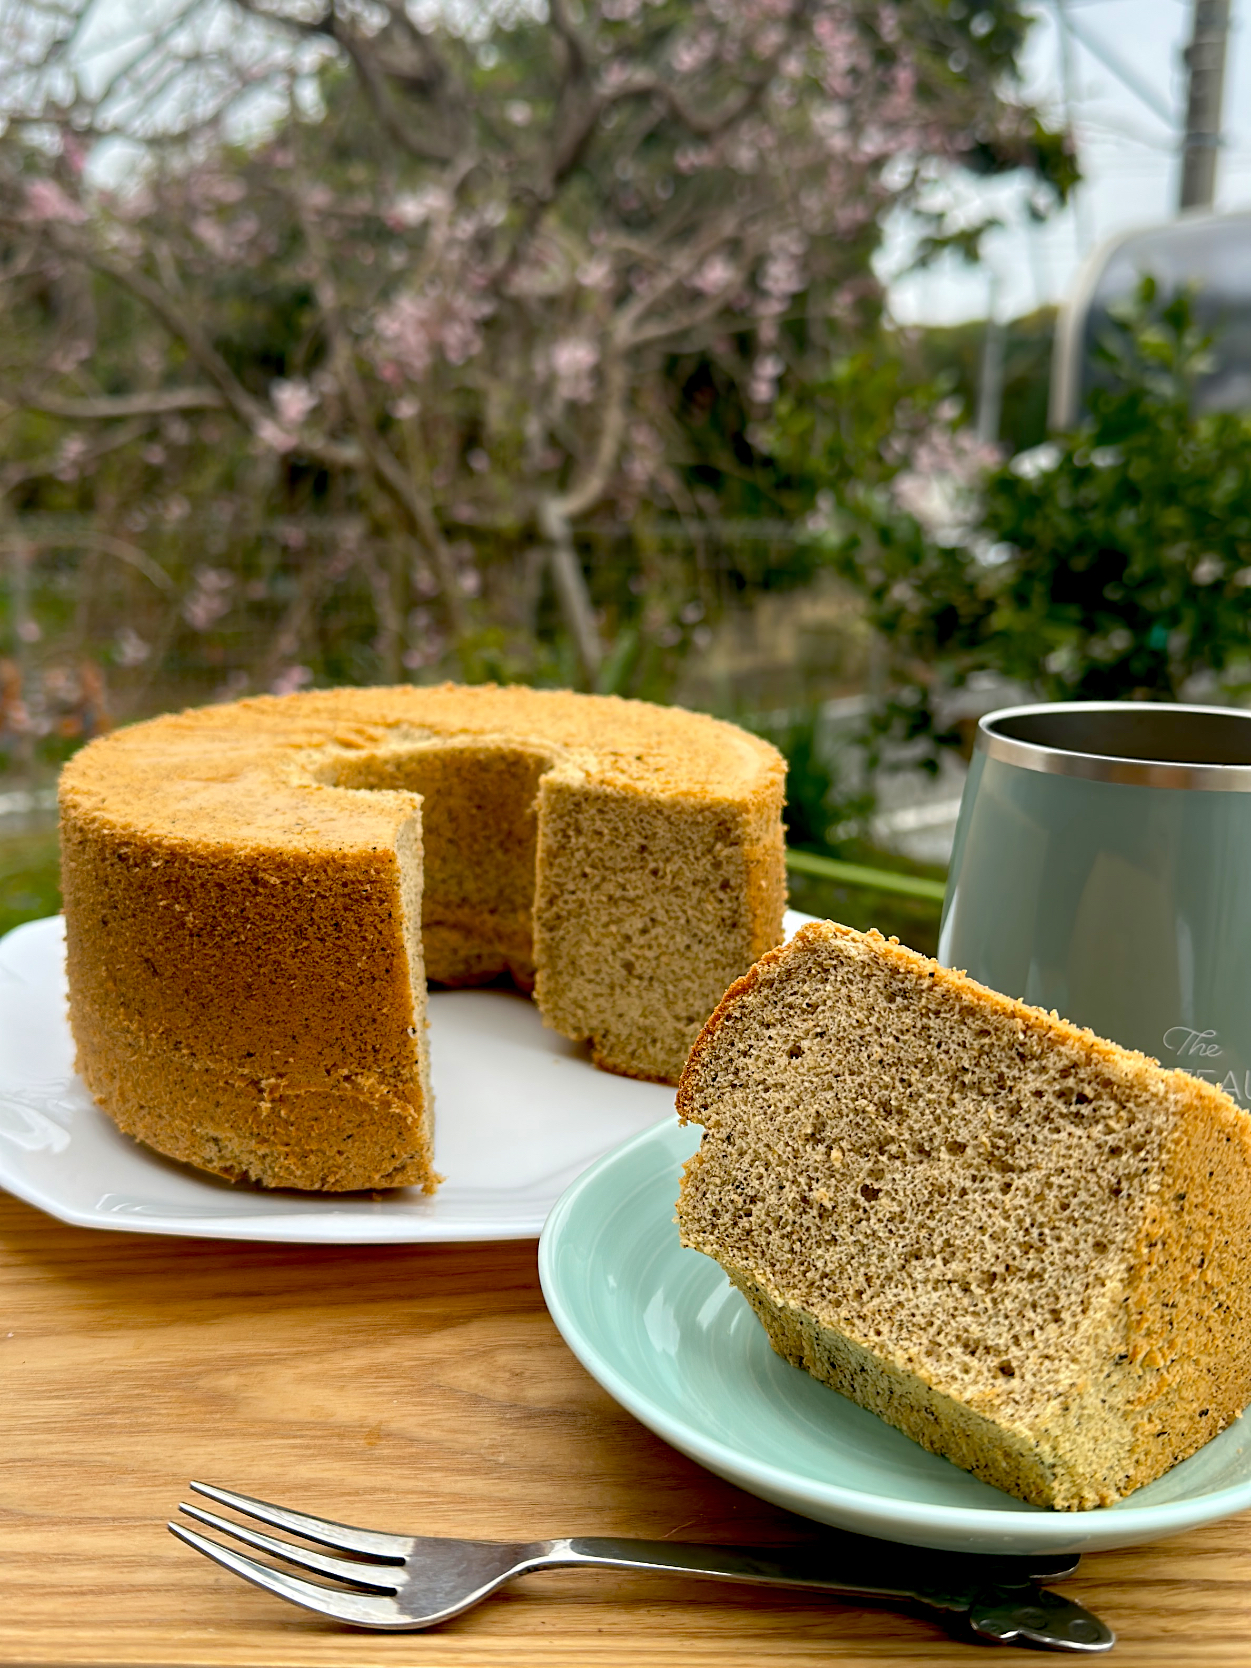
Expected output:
(423, 1390)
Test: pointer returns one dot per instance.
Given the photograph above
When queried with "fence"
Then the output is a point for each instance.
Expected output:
(99, 626)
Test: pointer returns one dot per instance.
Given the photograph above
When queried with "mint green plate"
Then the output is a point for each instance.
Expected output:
(669, 1338)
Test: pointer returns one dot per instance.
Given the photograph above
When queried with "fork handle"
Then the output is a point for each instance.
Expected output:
(998, 1596)
(842, 1566)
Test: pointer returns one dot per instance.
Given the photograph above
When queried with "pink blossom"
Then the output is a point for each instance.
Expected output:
(277, 439)
(689, 159)
(573, 360)
(69, 355)
(226, 242)
(209, 188)
(458, 332)
(762, 388)
(742, 152)
(769, 40)
(782, 275)
(294, 400)
(47, 201)
(73, 453)
(643, 456)
(129, 649)
(73, 150)
(690, 53)
(410, 328)
(209, 598)
(716, 274)
(133, 204)
(404, 338)
(290, 679)
(939, 485)
(414, 208)
(596, 273)
(425, 639)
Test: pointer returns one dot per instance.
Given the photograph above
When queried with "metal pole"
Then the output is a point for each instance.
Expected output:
(1068, 82)
(1205, 63)
(990, 382)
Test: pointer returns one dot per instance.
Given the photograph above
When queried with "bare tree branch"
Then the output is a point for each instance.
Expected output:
(109, 407)
(255, 416)
(173, 317)
(371, 72)
(710, 126)
(561, 20)
(390, 473)
(125, 552)
(21, 470)
(590, 487)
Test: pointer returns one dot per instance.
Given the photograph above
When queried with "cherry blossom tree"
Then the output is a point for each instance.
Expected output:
(443, 259)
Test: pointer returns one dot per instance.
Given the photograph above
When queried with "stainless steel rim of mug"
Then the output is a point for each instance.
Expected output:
(1061, 759)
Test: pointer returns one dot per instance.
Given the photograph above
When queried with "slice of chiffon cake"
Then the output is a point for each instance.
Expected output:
(1026, 1247)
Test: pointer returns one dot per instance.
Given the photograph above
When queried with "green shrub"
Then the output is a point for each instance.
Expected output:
(1112, 564)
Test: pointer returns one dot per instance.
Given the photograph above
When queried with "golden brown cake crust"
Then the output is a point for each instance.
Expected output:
(251, 890)
(1131, 1188)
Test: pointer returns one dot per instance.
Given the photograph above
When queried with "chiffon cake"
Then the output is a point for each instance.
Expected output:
(1026, 1247)
(256, 893)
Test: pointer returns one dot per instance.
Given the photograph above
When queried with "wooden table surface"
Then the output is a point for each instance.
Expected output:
(422, 1390)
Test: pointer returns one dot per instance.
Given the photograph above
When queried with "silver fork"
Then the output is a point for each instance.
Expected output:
(407, 1582)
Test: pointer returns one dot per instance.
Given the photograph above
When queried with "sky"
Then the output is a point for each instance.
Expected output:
(1129, 155)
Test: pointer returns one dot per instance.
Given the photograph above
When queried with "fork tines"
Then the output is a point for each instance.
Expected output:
(374, 1607)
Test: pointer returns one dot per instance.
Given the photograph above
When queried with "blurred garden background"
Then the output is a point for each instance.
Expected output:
(357, 341)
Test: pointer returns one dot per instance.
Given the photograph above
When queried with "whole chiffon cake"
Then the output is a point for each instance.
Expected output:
(256, 893)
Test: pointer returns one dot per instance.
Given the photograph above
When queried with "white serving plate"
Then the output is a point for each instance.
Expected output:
(519, 1112)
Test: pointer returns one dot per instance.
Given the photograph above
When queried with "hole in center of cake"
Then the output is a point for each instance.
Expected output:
(479, 828)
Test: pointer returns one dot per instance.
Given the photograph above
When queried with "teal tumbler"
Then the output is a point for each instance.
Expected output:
(1102, 868)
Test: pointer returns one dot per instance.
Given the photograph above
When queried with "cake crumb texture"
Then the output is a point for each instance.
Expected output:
(256, 893)
(1026, 1247)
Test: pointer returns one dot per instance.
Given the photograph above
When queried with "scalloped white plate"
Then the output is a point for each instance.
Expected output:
(519, 1114)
